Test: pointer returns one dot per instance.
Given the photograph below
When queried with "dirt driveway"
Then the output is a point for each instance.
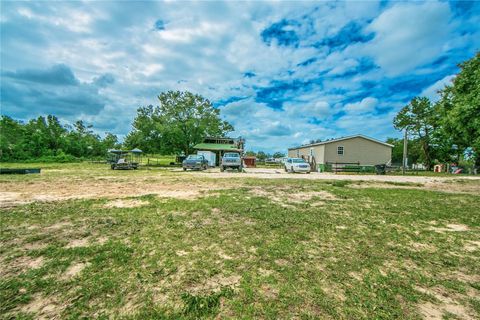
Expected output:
(64, 184)
(281, 174)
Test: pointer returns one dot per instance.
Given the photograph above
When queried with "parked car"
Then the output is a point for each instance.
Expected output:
(231, 160)
(195, 162)
(297, 165)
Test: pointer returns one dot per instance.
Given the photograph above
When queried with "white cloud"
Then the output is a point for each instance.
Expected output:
(432, 91)
(366, 105)
(409, 35)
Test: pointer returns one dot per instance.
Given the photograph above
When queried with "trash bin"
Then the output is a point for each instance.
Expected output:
(380, 168)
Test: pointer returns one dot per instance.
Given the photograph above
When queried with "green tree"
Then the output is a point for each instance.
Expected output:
(278, 155)
(261, 156)
(414, 150)
(418, 118)
(182, 120)
(110, 141)
(459, 108)
(46, 138)
(12, 134)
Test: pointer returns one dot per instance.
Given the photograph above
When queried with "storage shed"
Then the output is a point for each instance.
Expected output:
(250, 161)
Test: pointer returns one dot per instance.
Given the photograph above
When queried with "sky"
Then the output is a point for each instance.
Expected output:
(283, 73)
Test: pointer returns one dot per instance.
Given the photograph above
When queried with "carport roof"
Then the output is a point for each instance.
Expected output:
(216, 147)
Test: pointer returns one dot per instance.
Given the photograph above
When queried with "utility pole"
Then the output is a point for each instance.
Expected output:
(405, 144)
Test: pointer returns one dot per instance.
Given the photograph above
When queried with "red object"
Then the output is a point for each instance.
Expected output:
(250, 162)
(458, 171)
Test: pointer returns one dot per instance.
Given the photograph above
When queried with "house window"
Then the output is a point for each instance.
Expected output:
(298, 153)
(340, 150)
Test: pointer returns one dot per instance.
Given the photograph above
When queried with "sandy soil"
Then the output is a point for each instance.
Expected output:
(190, 185)
(281, 174)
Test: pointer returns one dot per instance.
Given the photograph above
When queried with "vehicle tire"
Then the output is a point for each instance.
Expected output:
(286, 170)
(113, 167)
(308, 172)
(222, 169)
(205, 167)
(184, 169)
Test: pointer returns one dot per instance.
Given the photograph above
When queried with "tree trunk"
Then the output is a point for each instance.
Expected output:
(426, 152)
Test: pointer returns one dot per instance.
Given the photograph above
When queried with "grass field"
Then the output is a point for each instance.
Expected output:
(157, 244)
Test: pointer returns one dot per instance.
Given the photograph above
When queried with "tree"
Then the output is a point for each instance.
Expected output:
(261, 156)
(47, 139)
(110, 141)
(414, 150)
(182, 120)
(459, 107)
(418, 119)
(278, 155)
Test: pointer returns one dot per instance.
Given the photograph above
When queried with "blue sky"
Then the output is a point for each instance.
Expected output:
(281, 72)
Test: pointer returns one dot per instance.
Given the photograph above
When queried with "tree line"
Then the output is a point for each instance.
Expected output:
(181, 121)
(448, 130)
(46, 139)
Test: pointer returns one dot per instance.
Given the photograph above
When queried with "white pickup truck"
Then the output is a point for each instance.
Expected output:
(231, 160)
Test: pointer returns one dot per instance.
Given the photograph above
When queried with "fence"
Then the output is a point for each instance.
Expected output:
(354, 167)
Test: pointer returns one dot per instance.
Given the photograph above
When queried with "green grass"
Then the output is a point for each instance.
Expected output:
(258, 249)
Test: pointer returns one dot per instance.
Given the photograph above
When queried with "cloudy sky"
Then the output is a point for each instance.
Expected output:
(281, 72)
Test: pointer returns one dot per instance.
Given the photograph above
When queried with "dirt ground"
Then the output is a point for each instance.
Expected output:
(52, 186)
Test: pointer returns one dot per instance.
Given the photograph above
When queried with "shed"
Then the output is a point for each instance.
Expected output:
(250, 161)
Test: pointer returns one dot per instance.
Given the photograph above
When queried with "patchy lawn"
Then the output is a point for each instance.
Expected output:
(238, 248)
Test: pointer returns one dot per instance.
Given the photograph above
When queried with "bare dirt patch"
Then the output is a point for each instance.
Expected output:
(74, 270)
(34, 246)
(281, 262)
(75, 243)
(216, 283)
(448, 303)
(43, 307)
(125, 203)
(269, 292)
(22, 192)
(21, 264)
(417, 246)
(471, 246)
(287, 197)
(451, 227)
